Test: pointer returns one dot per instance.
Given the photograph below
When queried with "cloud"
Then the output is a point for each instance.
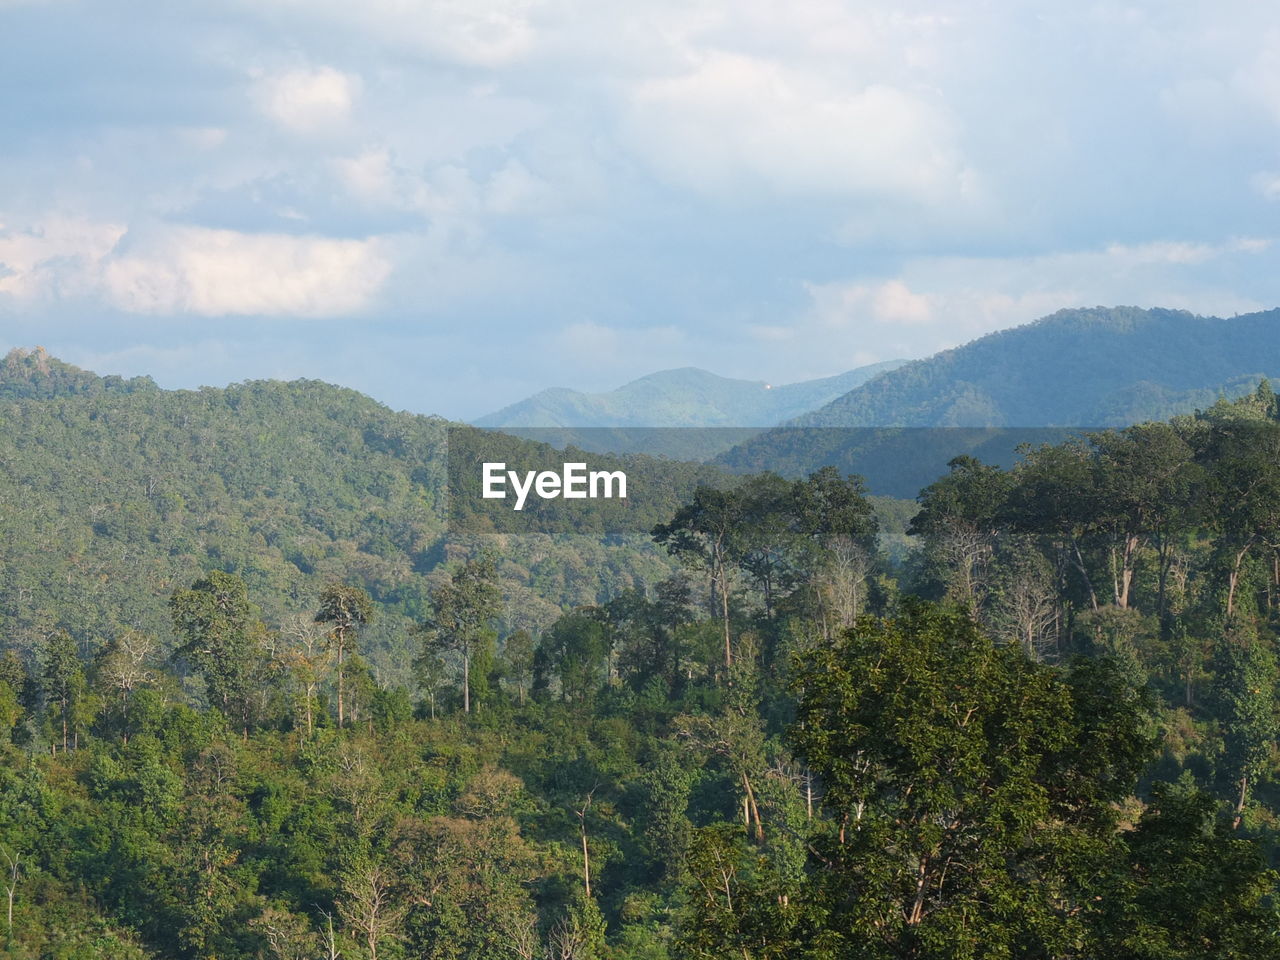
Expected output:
(57, 257)
(175, 269)
(307, 100)
(738, 122)
(208, 272)
(939, 302)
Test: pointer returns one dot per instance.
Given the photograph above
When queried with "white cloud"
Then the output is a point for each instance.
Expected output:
(1259, 78)
(54, 258)
(1267, 183)
(219, 272)
(368, 175)
(939, 302)
(191, 270)
(738, 122)
(307, 100)
(1161, 252)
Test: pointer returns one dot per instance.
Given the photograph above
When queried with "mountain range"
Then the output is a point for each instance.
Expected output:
(1102, 367)
(1092, 367)
(687, 397)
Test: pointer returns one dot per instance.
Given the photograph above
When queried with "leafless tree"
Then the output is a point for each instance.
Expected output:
(841, 584)
(14, 862)
(369, 905)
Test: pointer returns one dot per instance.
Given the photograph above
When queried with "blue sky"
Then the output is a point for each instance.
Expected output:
(450, 205)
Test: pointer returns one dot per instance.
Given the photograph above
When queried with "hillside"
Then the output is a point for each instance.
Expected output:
(1029, 385)
(113, 494)
(681, 398)
(1097, 367)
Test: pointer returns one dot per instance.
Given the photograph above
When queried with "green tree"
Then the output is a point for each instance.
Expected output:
(704, 534)
(971, 792)
(346, 610)
(463, 610)
(1188, 887)
(517, 656)
(221, 636)
(1244, 699)
(62, 681)
(576, 648)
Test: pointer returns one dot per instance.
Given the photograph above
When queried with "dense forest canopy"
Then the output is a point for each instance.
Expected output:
(255, 704)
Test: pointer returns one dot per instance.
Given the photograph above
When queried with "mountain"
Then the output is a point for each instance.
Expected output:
(1095, 367)
(688, 397)
(1031, 384)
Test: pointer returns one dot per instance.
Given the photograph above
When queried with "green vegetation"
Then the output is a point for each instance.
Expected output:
(254, 704)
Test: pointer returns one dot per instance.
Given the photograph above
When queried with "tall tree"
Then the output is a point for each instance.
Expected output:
(62, 680)
(222, 638)
(346, 609)
(958, 523)
(463, 611)
(705, 534)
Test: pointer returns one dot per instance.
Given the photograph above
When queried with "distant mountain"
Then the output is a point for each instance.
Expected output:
(1076, 368)
(1096, 367)
(688, 397)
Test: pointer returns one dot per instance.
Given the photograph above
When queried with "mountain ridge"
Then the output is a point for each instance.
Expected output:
(680, 397)
(1075, 367)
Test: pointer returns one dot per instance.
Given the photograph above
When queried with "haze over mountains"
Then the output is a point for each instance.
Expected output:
(686, 397)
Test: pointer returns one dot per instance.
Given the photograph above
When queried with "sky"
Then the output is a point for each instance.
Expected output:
(452, 204)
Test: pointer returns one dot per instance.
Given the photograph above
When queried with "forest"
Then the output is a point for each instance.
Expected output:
(256, 703)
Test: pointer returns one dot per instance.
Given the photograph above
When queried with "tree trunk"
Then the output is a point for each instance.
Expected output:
(754, 810)
(341, 657)
(917, 905)
(1244, 790)
(1233, 579)
(466, 681)
(1084, 572)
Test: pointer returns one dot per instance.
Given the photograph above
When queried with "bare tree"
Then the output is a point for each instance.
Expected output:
(305, 654)
(369, 904)
(568, 939)
(1029, 608)
(586, 856)
(125, 664)
(966, 550)
(288, 936)
(329, 940)
(841, 584)
(11, 884)
(520, 931)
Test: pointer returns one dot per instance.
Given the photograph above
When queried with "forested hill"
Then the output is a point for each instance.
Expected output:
(681, 398)
(1097, 367)
(114, 494)
(35, 374)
